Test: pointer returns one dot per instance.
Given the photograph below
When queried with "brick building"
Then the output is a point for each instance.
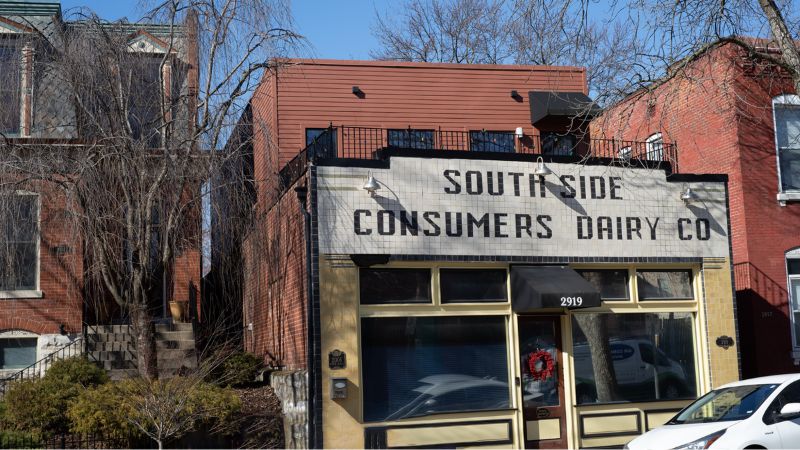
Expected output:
(722, 107)
(46, 299)
(450, 257)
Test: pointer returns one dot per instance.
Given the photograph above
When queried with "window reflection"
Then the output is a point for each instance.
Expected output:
(417, 366)
(633, 357)
(664, 284)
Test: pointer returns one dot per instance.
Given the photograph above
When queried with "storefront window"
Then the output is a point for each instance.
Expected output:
(612, 284)
(417, 366)
(471, 285)
(391, 286)
(633, 357)
(664, 284)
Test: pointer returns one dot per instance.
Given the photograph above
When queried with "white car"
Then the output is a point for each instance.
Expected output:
(757, 413)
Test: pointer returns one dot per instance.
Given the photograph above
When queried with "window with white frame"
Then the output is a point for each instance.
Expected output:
(793, 271)
(786, 109)
(19, 242)
(654, 145)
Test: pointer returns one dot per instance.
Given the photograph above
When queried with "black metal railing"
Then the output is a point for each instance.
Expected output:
(365, 142)
(17, 439)
(37, 369)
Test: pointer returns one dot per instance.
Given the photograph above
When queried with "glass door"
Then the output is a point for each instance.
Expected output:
(542, 382)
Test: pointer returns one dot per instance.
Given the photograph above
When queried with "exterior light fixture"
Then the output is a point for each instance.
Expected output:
(358, 92)
(541, 169)
(515, 95)
(688, 195)
(371, 185)
(519, 133)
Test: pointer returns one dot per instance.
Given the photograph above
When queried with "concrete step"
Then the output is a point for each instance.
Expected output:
(175, 345)
(175, 326)
(174, 336)
(102, 346)
(114, 365)
(169, 354)
(113, 356)
(109, 337)
(105, 329)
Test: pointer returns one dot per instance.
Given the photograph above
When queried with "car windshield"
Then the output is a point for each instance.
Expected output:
(733, 403)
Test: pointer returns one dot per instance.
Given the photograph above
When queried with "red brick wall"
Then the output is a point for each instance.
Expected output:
(275, 284)
(720, 115)
(60, 286)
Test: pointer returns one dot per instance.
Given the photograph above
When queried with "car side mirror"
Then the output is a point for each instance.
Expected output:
(790, 411)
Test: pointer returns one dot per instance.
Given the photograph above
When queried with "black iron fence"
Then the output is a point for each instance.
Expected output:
(14, 439)
(365, 142)
(37, 369)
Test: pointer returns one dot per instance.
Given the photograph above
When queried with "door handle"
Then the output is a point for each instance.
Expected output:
(517, 381)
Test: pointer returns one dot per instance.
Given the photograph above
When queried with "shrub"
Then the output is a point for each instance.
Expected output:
(161, 409)
(40, 405)
(240, 368)
(77, 370)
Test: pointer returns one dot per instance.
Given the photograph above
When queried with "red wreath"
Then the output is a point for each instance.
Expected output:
(547, 367)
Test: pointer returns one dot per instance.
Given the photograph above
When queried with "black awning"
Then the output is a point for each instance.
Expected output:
(571, 104)
(536, 287)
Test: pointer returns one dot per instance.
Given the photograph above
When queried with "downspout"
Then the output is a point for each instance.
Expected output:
(302, 196)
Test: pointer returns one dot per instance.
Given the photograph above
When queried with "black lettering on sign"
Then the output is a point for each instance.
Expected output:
(453, 230)
(569, 191)
(516, 176)
(429, 216)
(523, 222)
(619, 228)
(408, 225)
(703, 228)
(490, 183)
(598, 186)
(473, 223)
(604, 226)
(456, 187)
(357, 222)
(542, 186)
(634, 225)
(652, 226)
(474, 182)
(613, 187)
(499, 223)
(547, 233)
(584, 227)
(385, 223)
(582, 184)
(682, 234)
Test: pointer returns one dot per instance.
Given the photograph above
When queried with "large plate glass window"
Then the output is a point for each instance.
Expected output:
(612, 283)
(793, 269)
(394, 286)
(19, 242)
(664, 284)
(414, 139)
(787, 140)
(17, 353)
(473, 285)
(418, 366)
(10, 82)
(633, 357)
(491, 141)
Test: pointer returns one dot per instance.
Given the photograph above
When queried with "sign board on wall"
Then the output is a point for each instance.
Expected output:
(430, 206)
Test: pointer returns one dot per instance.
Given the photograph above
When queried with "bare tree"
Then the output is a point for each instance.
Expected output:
(153, 106)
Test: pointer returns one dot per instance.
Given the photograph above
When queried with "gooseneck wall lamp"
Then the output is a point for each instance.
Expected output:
(688, 195)
(541, 169)
(371, 185)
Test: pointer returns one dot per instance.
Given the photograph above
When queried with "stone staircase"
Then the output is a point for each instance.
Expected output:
(112, 347)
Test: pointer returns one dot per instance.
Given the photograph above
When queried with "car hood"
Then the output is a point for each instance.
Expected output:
(673, 436)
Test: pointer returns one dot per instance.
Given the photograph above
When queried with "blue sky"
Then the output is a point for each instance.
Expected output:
(335, 29)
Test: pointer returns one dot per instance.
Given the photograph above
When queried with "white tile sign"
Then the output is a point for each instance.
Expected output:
(479, 207)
